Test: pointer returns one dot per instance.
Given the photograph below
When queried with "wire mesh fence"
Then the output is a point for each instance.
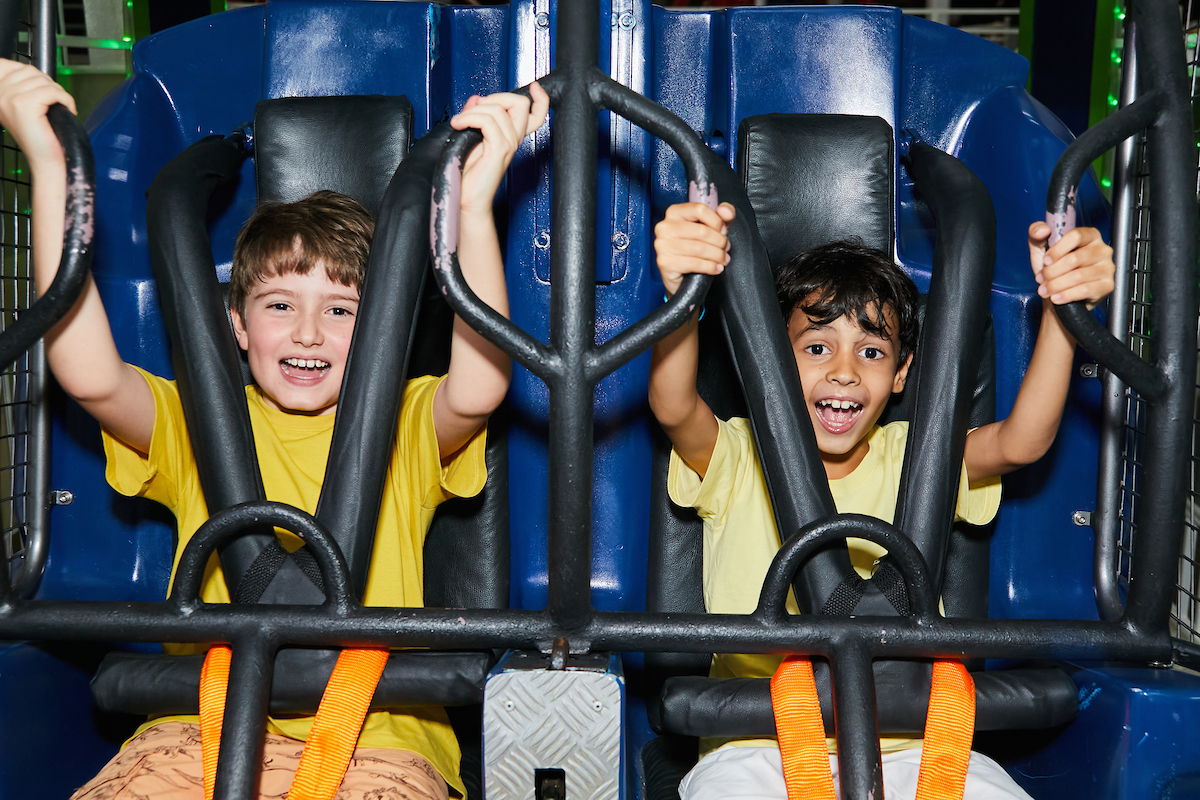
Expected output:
(16, 294)
(1185, 611)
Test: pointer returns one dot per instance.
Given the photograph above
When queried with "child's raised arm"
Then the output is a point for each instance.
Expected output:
(80, 348)
(1078, 267)
(690, 239)
(479, 372)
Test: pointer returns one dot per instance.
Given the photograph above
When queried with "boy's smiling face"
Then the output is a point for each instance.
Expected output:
(848, 375)
(296, 332)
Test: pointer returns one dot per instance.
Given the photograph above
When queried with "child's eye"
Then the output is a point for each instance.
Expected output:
(278, 307)
(816, 349)
(871, 353)
(341, 312)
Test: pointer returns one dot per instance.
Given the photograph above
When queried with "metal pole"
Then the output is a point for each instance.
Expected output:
(573, 314)
(1106, 519)
(43, 52)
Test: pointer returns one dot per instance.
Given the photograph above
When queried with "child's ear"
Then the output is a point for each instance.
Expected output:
(239, 329)
(901, 375)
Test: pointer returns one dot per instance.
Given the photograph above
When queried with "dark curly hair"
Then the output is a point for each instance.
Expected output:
(847, 278)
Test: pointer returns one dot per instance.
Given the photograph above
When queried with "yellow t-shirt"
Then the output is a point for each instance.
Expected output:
(292, 452)
(740, 538)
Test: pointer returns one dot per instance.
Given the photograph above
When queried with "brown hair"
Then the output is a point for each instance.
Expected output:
(284, 238)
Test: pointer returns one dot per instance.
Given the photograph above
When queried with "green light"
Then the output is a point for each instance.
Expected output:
(1116, 57)
(1121, 14)
(127, 39)
(1112, 100)
(1106, 183)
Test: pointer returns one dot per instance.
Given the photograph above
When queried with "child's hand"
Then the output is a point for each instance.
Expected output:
(691, 239)
(504, 119)
(25, 95)
(1078, 267)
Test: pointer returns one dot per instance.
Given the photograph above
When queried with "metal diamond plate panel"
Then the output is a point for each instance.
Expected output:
(566, 719)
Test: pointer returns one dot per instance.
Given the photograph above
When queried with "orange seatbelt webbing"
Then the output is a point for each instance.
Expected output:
(949, 727)
(214, 681)
(340, 717)
(801, 732)
(335, 730)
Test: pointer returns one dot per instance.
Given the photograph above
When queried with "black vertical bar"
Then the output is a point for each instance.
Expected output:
(242, 732)
(949, 352)
(1172, 157)
(573, 315)
(854, 713)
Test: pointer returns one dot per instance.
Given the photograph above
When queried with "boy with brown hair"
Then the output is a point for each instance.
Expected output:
(295, 295)
(851, 317)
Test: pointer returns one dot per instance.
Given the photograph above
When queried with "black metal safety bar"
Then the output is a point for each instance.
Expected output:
(72, 274)
(571, 365)
(1165, 382)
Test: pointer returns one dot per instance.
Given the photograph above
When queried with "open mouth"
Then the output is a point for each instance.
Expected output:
(303, 367)
(838, 416)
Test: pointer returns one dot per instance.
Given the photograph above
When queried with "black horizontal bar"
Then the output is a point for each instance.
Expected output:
(882, 637)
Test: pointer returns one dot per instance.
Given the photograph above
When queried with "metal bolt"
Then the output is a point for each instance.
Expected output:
(61, 497)
(542, 240)
(509, 705)
(542, 20)
(1082, 518)
(597, 705)
(1089, 370)
(620, 240)
(627, 21)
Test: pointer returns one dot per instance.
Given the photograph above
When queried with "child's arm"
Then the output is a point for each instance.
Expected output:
(690, 239)
(1078, 267)
(479, 371)
(80, 348)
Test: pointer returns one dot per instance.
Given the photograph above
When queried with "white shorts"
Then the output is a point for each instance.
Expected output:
(756, 773)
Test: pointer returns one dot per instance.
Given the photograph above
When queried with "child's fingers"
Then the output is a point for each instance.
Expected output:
(1092, 281)
(1072, 240)
(675, 253)
(726, 212)
(540, 107)
(696, 212)
(676, 229)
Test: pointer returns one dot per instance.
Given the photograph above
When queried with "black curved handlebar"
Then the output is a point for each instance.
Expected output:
(1113, 354)
(79, 228)
(629, 343)
(251, 517)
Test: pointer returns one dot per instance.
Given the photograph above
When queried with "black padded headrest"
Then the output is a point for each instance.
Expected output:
(833, 171)
(348, 144)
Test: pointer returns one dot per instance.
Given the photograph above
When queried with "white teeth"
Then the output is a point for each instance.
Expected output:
(842, 404)
(306, 363)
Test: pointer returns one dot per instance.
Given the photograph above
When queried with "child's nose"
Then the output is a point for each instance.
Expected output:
(307, 331)
(842, 370)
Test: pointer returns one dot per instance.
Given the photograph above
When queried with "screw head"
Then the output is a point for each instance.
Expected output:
(620, 241)
(627, 20)
(542, 240)
(542, 20)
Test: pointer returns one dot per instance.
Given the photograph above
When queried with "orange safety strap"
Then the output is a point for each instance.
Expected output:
(801, 732)
(949, 727)
(214, 681)
(334, 733)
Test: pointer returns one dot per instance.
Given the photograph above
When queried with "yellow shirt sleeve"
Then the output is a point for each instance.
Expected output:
(434, 482)
(156, 475)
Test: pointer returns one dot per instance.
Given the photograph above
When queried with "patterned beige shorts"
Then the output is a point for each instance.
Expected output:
(164, 763)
